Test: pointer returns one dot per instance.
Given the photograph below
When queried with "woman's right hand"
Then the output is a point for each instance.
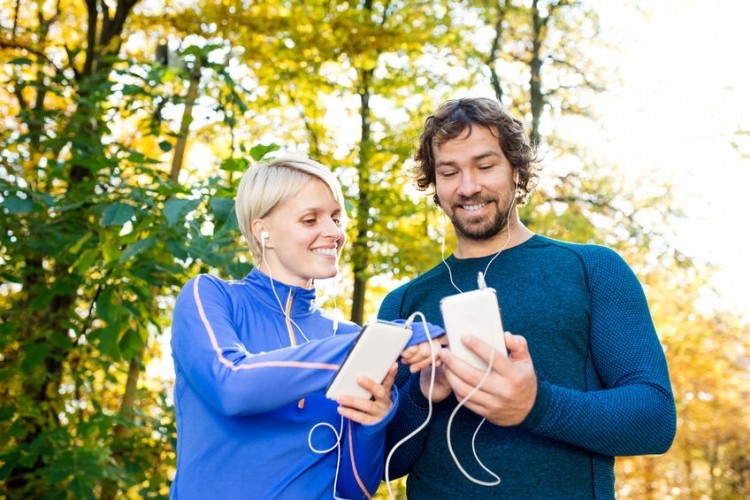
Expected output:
(373, 410)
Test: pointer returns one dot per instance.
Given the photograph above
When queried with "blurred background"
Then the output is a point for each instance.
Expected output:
(125, 126)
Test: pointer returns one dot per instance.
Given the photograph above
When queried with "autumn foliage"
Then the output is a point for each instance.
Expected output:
(125, 126)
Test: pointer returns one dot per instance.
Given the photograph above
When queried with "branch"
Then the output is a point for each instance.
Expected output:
(589, 83)
(5, 44)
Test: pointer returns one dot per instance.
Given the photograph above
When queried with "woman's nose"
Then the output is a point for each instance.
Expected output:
(333, 230)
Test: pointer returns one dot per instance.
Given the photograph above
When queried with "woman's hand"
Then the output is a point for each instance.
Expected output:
(373, 410)
(422, 355)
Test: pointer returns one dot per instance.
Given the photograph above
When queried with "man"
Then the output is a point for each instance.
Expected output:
(585, 378)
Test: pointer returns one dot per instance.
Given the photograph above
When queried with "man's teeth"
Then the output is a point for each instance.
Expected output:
(325, 251)
(474, 208)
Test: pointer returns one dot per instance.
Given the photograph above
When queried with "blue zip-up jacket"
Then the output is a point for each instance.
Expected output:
(249, 395)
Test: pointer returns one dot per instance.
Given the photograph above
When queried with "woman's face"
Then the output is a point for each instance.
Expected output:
(305, 236)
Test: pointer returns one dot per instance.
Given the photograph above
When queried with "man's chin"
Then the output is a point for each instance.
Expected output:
(480, 231)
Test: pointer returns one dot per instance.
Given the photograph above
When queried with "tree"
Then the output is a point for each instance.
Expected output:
(96, 239)
(102, 221)
(328, 68)
(707, 354)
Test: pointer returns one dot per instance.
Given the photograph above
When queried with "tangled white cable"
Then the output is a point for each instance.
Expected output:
(429, 400)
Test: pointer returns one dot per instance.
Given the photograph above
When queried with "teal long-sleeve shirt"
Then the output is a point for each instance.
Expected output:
(604, 387)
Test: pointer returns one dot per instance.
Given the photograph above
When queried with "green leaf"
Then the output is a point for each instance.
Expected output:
(16, 205)
(105, 308)
(34, 356)
(193, 50)
(223, 208)
(165, 146)
(234, 164)
(78, 244)
(9, 461)
(137, 247)
(117, 214)
(21, 61)
(108, 338)
(258, 151)
(130, 344)
(6, 412)
(130, 89)
(177, 248)
(110, 251)
(176, 208)
(84, 261)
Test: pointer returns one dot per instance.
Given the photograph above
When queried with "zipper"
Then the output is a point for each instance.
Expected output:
(292, 336)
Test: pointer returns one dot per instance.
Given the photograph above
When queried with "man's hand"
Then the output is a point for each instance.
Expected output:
(508, 394)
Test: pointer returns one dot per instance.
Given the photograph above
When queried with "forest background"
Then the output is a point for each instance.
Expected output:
(126, 125)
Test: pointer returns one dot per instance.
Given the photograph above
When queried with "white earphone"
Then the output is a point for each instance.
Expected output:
(263, 238)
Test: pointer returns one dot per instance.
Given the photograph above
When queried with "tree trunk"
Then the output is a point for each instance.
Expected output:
(535, 66)
(360, 256)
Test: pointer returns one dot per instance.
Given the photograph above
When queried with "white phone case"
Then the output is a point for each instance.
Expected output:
(379, 344)
(477, 313)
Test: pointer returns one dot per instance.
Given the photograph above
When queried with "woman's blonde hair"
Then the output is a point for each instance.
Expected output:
(267, 184)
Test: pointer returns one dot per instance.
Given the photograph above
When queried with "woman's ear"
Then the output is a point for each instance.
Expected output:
(260, 233)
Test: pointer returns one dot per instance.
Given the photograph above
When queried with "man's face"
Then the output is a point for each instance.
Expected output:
(474, 183)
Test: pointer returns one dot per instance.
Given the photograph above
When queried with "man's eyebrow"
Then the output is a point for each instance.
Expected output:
(474, 159)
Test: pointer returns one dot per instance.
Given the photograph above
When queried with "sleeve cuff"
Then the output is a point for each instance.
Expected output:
(541, 405)
(414, 392)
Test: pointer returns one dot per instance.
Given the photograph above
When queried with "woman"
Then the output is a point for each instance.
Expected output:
(253, 357)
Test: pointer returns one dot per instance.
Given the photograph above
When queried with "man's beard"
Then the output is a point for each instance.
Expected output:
(479, 230)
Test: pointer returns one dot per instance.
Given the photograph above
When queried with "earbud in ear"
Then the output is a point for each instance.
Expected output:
(263, 235)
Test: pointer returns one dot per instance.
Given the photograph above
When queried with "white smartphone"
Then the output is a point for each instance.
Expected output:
(379, 344)
(477, 313)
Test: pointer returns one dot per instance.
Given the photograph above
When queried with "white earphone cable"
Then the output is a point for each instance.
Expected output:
(468, 476)
(487, 268)
(273, 288)
(429, 401)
